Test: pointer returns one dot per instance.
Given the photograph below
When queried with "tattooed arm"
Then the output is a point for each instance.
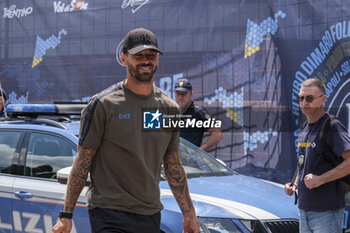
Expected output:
(177, 180)
(76, 182)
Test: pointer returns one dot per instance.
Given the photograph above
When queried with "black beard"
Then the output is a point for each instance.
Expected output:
(143, 78)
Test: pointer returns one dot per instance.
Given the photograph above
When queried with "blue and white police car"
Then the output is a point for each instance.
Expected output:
(36, 153)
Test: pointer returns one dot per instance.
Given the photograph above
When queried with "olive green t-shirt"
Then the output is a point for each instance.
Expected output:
(125, 171)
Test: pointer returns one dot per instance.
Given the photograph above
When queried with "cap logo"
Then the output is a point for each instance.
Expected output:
(181, 84)
(144, 38)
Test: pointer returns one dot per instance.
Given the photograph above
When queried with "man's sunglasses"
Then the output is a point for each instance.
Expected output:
(308, 98)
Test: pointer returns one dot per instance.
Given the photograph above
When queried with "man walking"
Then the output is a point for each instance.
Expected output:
(321, 198)
(123, 159)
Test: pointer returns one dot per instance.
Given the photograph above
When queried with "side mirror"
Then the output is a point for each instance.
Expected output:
(63, 174)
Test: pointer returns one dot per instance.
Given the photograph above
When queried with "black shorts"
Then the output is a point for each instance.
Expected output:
(108, 221)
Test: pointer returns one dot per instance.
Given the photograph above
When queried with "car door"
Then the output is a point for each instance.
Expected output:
(10, 146)
(40, 197)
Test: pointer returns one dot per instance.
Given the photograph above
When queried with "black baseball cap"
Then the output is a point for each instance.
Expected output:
(138, 40)
(183, 85)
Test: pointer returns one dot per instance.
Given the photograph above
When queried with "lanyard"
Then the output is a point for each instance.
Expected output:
(302, 154)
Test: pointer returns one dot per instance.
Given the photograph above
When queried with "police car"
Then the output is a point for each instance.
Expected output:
(36, 154)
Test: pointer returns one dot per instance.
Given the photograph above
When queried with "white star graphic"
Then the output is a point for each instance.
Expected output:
(156, 115)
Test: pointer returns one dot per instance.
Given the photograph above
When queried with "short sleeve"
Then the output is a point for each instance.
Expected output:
(204, 114)
(92, 125)
(174, 142)
(338, 138)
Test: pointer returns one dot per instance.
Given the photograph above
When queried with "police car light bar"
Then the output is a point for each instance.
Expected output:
(25, 109)
(44, 109)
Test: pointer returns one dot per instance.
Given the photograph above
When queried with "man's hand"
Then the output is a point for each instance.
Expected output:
(177, 181)
(190, 223)
(215, 136)
(76, 182)
(289, 189)
(63, 225)
(312, 181)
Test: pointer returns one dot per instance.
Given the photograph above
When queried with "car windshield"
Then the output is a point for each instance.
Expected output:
(197, 163)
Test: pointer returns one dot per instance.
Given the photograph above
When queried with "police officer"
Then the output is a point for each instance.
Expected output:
(183, 97)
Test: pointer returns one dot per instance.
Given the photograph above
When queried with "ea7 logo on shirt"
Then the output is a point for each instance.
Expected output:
(152, 120)
(123, 116)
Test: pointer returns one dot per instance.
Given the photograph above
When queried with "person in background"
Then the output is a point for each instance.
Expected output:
(183, 97)
(124, 160)
(3, 99)
(321, 198)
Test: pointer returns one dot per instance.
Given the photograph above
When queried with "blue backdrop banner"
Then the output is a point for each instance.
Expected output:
(245, 60)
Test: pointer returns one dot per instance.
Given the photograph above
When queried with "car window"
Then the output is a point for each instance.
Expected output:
(47, 154)
(8, 143)
(198, 163)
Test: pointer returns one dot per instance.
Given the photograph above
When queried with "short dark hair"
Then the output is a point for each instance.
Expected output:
(315, 82)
